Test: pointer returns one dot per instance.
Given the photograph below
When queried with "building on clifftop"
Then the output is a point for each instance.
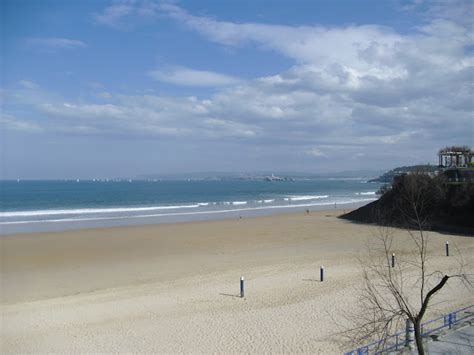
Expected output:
(455, 157)
(457, 164)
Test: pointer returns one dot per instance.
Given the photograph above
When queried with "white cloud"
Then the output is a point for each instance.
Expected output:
(112, 15)
(28, 84)
(115, 14)
(224, 128)
(89, 111)
(315, 45)
(53, 43)
(459, 11)
(316, 152)
(191, 77)
(10, 122)
(129, 115)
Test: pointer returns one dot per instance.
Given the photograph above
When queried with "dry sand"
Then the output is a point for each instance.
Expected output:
(173, 288)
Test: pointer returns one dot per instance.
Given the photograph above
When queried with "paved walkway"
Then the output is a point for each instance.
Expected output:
(456, 342)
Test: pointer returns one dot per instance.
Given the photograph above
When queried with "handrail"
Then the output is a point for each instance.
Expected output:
(448, 320)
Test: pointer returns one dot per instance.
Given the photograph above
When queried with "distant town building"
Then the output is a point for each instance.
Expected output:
(274, 178)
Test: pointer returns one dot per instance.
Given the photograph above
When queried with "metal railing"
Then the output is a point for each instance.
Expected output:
(404, 338)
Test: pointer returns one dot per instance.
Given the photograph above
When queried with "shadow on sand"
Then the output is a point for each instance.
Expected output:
(229, 295)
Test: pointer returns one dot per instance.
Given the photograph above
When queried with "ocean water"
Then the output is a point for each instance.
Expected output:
(30, 206)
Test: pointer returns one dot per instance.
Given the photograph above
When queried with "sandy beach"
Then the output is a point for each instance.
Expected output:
(173, 288)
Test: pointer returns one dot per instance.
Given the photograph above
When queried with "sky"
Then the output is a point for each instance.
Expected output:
(97, 89)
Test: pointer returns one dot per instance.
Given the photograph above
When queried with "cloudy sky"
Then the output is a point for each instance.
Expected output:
(128, 87)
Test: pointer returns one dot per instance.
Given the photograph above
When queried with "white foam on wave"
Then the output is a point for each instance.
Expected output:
(92, 210)
(306, 198)
(366, 193)
(238, 203)
(266, 201)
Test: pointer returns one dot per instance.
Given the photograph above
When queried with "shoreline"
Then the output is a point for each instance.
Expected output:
(173, 288)
(58, 225)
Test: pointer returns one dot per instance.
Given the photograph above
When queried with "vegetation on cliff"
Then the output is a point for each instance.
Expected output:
(439, 204)
(389, 176)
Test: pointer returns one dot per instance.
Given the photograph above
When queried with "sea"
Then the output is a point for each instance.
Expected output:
(40, 206)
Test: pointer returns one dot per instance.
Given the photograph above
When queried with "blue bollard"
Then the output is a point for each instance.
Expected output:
(321, 273)
(447, 248)
(408, 333)
(242, 287)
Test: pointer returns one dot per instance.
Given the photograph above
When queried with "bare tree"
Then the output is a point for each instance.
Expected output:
(394, 293)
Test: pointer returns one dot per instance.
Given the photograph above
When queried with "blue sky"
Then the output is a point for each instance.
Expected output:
(121, 88)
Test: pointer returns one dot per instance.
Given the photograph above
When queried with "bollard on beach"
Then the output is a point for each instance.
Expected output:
(408, 333)
(242, 287)
(321, 273)
(447, 248)
(393, 259)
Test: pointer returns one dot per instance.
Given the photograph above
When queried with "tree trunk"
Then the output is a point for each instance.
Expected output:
(418, 337)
